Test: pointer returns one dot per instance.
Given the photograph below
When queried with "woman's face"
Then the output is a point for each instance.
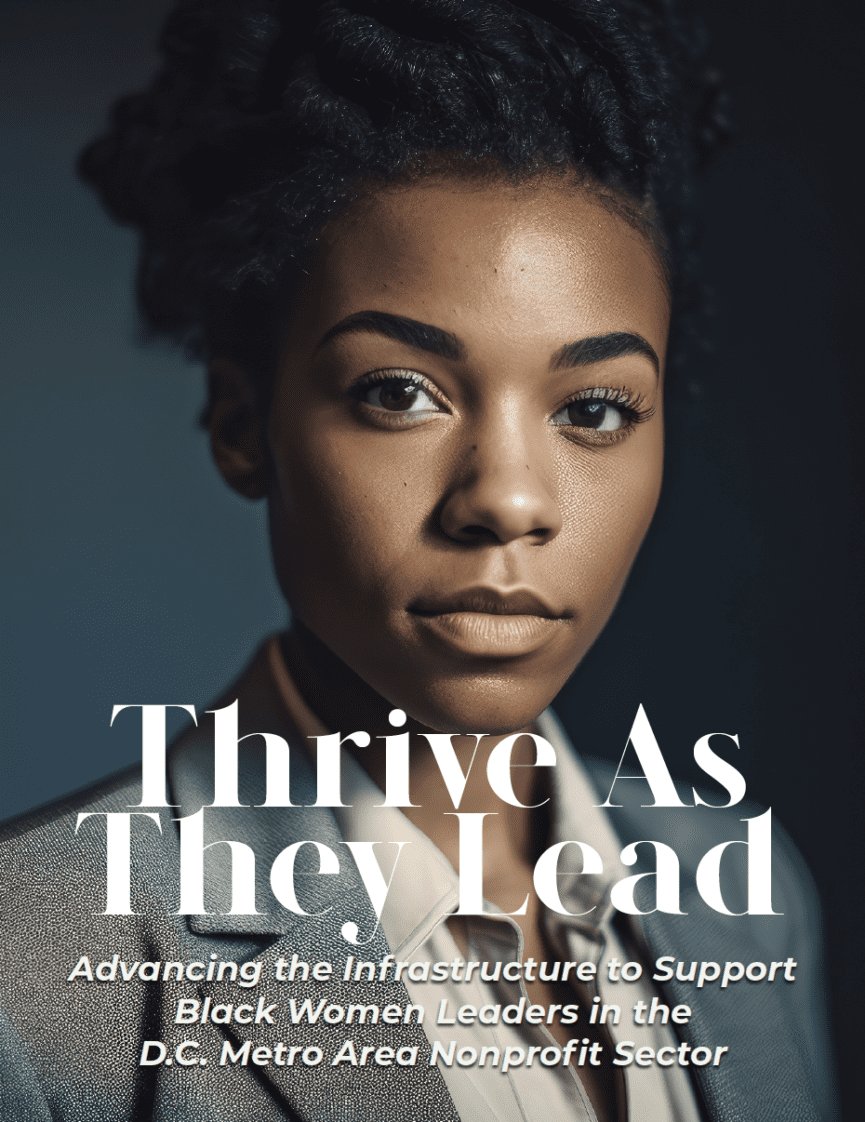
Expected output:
(466, 435)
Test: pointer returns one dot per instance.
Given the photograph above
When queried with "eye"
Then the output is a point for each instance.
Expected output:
(590, 413)
(399, 395)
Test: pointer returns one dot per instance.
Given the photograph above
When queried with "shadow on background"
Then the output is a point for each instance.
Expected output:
(131, 574)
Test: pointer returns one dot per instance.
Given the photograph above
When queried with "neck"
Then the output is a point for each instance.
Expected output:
(344, 702)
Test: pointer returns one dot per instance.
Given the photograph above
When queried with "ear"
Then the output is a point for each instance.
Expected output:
(237, 429)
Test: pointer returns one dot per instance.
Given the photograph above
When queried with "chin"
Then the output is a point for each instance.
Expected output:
(492, 703)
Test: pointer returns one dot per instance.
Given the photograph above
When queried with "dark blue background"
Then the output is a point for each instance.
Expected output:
(131, 574)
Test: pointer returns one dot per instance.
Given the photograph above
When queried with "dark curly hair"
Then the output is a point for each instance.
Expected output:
(269, 116)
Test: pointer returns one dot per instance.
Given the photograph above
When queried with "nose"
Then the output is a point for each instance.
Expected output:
(503, 495)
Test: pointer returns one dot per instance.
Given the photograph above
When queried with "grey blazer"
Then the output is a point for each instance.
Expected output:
(70, 1050)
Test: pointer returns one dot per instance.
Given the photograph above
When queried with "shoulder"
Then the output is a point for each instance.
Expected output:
(56, 1022)
(794, 930)
(692, 831)
(47, 839)
(55, 861)
(114, 792)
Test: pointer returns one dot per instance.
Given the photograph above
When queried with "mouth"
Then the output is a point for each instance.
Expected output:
(490, 623)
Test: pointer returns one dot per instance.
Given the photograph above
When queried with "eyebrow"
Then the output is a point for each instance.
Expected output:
(421, 336)
(599, 348)
(437, 341)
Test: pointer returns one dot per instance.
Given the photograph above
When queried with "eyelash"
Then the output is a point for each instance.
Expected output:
(378, 377)
(633, 408)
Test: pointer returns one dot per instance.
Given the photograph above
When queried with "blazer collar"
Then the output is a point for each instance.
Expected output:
(267, 831)
(319, 1093)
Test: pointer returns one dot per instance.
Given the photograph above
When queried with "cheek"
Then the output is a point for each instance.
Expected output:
(608, 504)
(349, 511)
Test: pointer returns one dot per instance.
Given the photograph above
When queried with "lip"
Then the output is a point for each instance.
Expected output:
(488, 622)
(487, 601)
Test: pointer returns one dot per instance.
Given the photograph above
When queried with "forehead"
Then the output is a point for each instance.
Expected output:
(531, 261)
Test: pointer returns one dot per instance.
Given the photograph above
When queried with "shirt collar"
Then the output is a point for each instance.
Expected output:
(424, 887)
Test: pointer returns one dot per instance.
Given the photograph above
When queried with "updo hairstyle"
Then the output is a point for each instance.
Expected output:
(268, 117)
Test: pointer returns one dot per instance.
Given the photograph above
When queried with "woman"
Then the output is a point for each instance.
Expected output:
(429, 252)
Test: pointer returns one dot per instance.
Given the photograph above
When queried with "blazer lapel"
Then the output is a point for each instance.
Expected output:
(393, 1093)
(767, 1076)
(323, 1092)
